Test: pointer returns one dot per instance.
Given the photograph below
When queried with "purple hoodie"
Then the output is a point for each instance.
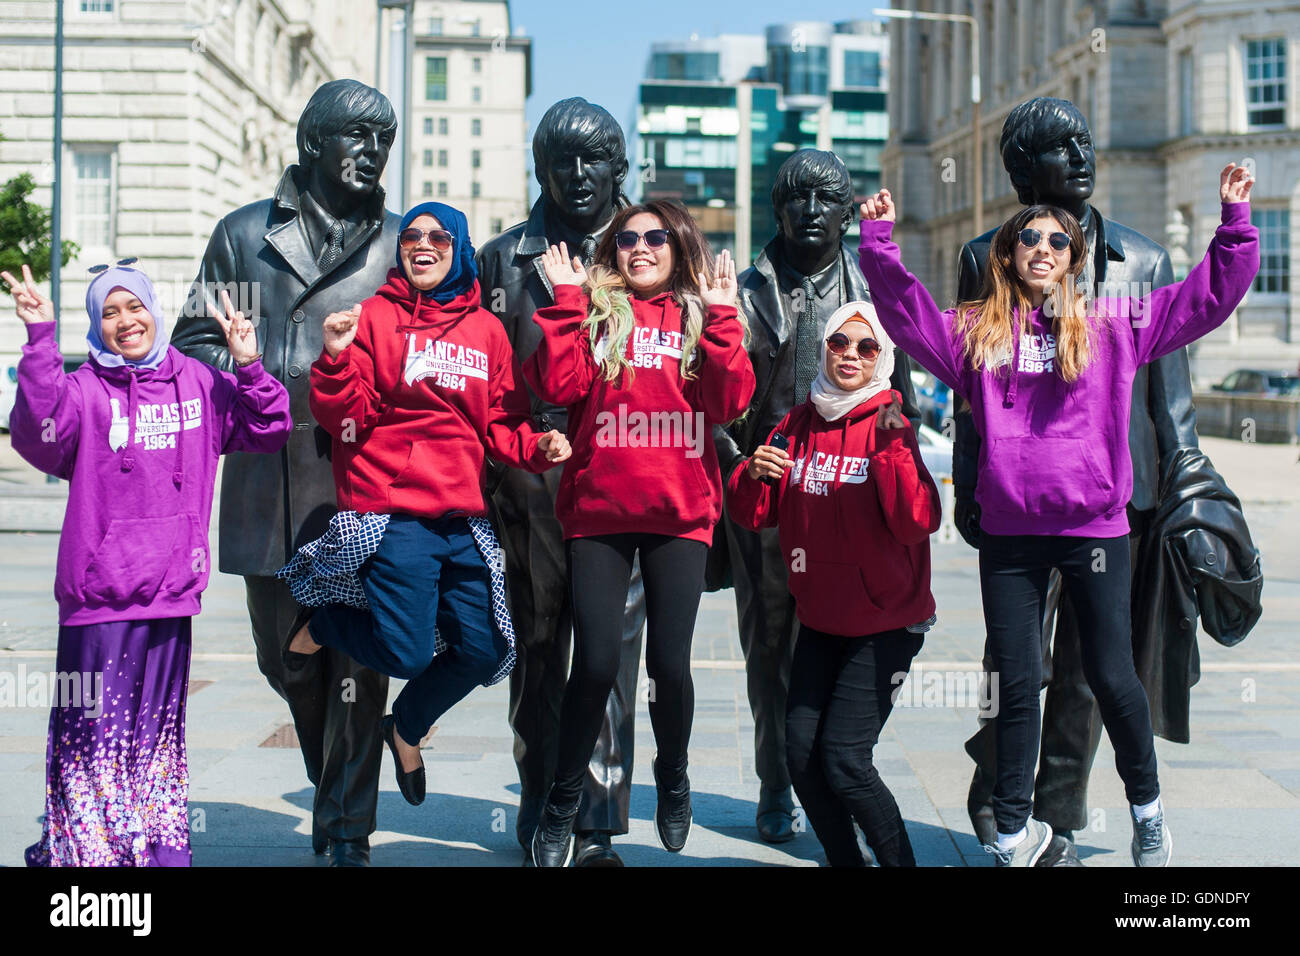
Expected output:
(1055, 456)
(140, 449)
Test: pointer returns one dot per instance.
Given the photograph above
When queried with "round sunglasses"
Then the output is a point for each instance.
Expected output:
(839, 343)
(654, 239)
(1030, 238)
(440, 239)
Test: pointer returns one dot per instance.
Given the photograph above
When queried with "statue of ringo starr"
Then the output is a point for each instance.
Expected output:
(580, 159)
(322, 243)
(1047, 151)
(802, 275)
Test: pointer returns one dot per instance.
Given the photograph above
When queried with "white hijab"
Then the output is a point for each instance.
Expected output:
(833, 402)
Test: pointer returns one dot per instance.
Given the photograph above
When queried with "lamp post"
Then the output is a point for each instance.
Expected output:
(56, 187)
(978, 171)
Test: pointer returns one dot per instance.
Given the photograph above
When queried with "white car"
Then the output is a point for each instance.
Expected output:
(936, 452)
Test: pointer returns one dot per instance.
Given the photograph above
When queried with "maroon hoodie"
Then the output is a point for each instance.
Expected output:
(416, 399)
(855, 515)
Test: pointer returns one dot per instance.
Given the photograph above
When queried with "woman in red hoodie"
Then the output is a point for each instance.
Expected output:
(647, 352)
(856, 508)
(415, 386)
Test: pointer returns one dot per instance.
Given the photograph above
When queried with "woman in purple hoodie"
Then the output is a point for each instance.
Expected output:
(137, 432)
(1049, 377)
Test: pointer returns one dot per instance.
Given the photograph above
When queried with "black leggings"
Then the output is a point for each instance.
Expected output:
(840, 696)
(1097, 573)
(600, 569)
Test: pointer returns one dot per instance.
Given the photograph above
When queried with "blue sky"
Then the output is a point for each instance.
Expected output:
(605, 60)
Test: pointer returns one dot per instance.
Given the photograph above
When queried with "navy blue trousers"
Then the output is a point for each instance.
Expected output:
(426, 571)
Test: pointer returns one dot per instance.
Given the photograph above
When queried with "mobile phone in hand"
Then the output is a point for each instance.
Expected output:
(777, 441)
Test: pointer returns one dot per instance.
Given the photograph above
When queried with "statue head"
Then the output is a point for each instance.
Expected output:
(580, 159)
(344, 135)
(813, 200)
(1047, 150)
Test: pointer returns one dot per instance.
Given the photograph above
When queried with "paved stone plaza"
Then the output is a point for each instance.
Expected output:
(1232, 795)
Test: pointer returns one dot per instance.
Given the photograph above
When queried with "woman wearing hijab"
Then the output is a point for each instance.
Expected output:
(855, 507)
(416, 385)
(137, 432)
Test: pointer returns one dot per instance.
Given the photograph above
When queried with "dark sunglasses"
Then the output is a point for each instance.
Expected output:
(440, 239)
(839, 343)
(1030, 238)
(654, 239)
(105, 266)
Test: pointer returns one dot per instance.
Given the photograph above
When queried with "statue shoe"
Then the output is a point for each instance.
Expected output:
(350, 852)
(593, 849)
(1060, 852)
(775, 816)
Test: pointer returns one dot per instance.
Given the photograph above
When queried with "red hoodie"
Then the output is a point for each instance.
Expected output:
(643, 456)
(855, 514)
(415, 400)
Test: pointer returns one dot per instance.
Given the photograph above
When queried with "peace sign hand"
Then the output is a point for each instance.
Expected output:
(241, 337)
(560, 269)
(1234, 183)
(880, 206)
(720, 288)
(32, 306)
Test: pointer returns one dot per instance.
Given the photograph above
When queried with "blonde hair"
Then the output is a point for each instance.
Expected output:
(990, 324)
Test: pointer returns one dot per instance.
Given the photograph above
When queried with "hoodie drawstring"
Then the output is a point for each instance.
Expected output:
(178, 475)
(1009, 394)
(128, 459)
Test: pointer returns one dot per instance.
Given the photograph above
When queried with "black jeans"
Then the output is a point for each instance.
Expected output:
(1096, 573)
(600, 568)
(840, 697)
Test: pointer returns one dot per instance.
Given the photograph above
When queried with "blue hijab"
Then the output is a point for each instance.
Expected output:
(464, 272)
(138, 284)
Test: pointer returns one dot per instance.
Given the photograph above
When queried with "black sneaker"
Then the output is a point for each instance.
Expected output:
(673, 812)
(553, 839)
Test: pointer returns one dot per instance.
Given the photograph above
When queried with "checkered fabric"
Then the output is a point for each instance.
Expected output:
(324, 571)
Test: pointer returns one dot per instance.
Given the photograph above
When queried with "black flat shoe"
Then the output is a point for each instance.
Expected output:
(775, 816)
(594, 850)
(672, 812)
(553, 839)
(410, 783)
(295, 661)
(350, 852)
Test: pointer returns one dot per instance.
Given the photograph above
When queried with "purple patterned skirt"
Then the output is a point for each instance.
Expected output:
(117, 783)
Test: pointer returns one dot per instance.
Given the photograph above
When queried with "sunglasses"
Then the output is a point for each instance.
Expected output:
(839, 343)
(1030, 238)
(105, 266)
(654, 239)
(440, 239)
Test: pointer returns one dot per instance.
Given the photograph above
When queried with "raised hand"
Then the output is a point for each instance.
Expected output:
(880, 206)
(32, 306)
(560, 269)
(241, 337)
(341, 329)
(1234, 183)
(556, 446)
(720, 288)
(891, 416)
(768, 461)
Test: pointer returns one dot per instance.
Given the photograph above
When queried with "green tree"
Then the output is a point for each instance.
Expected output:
(25, 230)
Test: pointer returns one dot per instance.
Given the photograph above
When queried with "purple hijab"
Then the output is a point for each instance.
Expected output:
(138, 284)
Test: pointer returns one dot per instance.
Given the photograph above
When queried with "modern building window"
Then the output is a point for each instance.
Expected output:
(442, 158)
(92, 204)
(1274, 227)
(477, 94)
(428, 126)
(1186, 93)
(427, 189)
(428, 157)
(1266, 82)
(701, 67)
(435, 78)
(442, 189)
(476, 127)
(474, 190)
(805, 72)
(442, 126)
(476, 158)
(435, 26)
(862, 68)
(477, 64)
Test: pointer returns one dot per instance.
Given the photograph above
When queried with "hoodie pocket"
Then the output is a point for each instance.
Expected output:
(1044, 476)
(188, 569)
(132, 559)
(831, 597)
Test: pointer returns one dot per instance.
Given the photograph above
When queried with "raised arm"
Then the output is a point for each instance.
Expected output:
(562, 370)
(1179, 314)
(344, 399)
(909, 314)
